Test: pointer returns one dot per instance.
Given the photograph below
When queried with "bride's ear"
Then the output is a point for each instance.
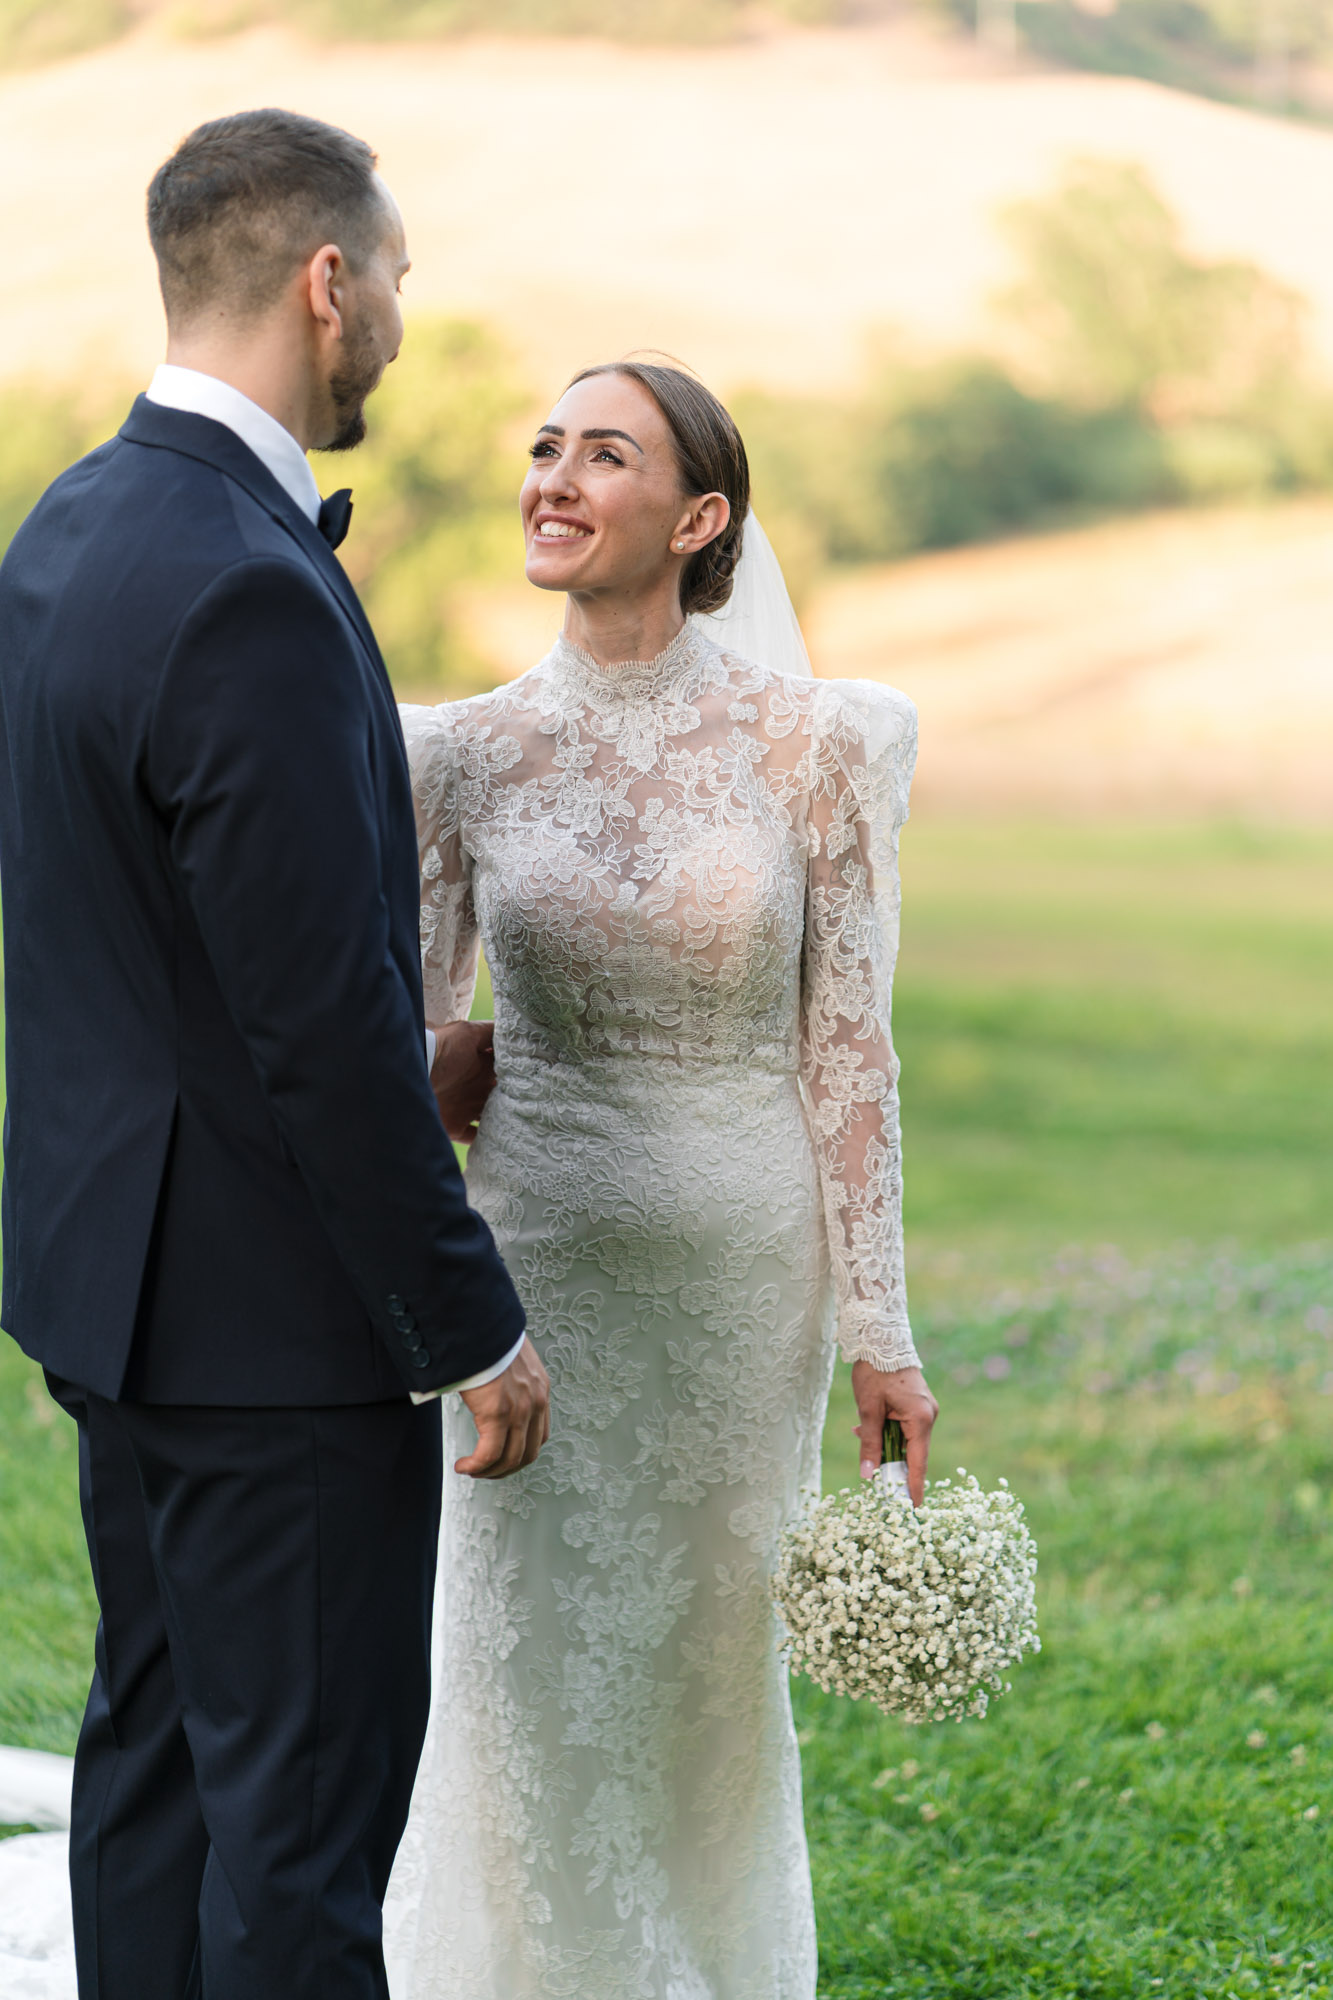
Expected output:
(701, 523)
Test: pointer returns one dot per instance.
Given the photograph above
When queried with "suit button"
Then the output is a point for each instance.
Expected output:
(421, 1359)
(396, 1304)
(413, 1342)
(405, 1322)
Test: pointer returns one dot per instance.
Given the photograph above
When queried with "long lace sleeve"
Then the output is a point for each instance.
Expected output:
(862, 754)
(449, 943)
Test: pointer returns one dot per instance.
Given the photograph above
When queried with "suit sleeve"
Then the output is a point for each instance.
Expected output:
(262, 760)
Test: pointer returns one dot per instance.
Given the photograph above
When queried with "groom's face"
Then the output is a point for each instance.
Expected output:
(372, 332)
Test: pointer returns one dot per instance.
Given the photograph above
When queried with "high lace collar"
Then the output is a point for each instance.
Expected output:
(635, 680)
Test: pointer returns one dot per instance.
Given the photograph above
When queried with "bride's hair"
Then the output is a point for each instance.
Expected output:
(711, 457)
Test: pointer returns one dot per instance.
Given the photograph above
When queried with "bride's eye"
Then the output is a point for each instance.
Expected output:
(612, 457)
(542, 449)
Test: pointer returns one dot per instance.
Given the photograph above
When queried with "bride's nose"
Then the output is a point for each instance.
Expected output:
(557, 482)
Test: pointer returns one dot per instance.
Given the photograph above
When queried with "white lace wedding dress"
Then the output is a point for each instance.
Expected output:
(684, 875)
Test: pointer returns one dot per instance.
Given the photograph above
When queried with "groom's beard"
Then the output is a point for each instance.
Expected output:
(356, 376)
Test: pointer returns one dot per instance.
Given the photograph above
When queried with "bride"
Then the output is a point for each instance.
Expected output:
(679, 853)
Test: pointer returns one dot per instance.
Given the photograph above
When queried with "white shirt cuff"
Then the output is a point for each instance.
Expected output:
(430, 1050)
(473, 1381)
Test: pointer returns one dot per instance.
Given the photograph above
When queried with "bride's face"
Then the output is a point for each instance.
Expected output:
(603, 508)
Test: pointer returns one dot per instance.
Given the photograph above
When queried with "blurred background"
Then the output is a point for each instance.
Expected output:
(1026, 311)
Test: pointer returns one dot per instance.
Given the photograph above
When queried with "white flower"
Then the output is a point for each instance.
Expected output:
(920, 1611)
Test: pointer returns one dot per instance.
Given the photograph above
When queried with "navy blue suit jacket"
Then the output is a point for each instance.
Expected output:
(226, 1181)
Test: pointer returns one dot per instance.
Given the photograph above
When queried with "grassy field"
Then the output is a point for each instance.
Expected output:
(1114, 1036)
(1118, 1081)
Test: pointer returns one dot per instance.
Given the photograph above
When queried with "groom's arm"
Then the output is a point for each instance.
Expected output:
(260, 759)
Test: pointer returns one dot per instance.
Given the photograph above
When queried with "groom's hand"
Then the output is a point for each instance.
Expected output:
(513, 1418)
(463, 1075)
(903, 1395)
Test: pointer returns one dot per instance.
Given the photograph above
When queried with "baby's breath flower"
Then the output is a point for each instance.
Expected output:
(920, 1611)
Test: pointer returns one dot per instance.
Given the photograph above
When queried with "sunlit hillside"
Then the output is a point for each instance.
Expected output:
(1177, 664)
(766, 210)
(759, 208)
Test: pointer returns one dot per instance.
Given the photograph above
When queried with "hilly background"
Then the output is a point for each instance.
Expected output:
(782, 212)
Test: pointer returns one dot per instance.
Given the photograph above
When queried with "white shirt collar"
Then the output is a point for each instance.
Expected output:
(205, 396)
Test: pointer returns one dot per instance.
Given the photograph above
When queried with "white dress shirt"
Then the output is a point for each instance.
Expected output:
(277, 450)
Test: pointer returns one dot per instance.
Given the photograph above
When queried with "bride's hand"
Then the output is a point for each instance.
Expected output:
(463, 1075)
(903, 1395)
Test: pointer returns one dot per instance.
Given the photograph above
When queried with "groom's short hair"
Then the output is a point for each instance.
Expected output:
(244, 200)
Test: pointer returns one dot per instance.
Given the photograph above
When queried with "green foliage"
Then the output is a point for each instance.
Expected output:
(45, 429)
(1239, 51)
(1118, 317)
(961, 453)
(437, 498)
(1118, 313)
(616, 20)
(1148, 376)
(931, 456)
(40, 31)
(37, 31)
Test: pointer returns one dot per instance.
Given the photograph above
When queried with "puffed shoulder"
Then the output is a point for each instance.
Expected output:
(885, 721)
(430, 735)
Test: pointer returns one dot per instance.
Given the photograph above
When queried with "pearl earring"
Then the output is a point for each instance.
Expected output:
(680, 545)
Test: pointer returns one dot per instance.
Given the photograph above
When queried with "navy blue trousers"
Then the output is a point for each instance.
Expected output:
(260, 1693)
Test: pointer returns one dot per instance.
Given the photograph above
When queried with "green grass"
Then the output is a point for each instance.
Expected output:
(1109, 1830)
(1107, 1037)
(1114, 1036)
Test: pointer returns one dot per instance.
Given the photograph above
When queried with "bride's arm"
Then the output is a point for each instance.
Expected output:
(462, 1059)
(859, 777)
(449, 942)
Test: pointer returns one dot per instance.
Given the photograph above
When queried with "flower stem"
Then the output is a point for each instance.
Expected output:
(895, 1451)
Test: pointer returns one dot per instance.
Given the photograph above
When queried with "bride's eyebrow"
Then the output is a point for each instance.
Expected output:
(591, 437)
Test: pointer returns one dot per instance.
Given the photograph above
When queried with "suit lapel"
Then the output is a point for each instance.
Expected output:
(213, 444)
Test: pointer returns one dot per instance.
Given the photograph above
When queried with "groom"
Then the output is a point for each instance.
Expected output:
(235, 1233)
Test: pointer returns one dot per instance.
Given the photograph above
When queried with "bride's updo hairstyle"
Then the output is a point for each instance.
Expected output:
(711, 458)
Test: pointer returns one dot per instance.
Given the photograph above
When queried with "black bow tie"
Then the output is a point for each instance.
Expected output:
(335, 515)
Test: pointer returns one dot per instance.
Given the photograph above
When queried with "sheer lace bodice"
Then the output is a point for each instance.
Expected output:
(687, 870)
(684, 874)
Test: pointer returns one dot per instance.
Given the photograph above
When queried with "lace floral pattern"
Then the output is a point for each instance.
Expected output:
(685, 877)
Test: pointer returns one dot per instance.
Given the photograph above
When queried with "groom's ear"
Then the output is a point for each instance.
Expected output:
(324, 281)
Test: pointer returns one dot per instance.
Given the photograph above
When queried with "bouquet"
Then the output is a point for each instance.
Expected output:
(921, 1610)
